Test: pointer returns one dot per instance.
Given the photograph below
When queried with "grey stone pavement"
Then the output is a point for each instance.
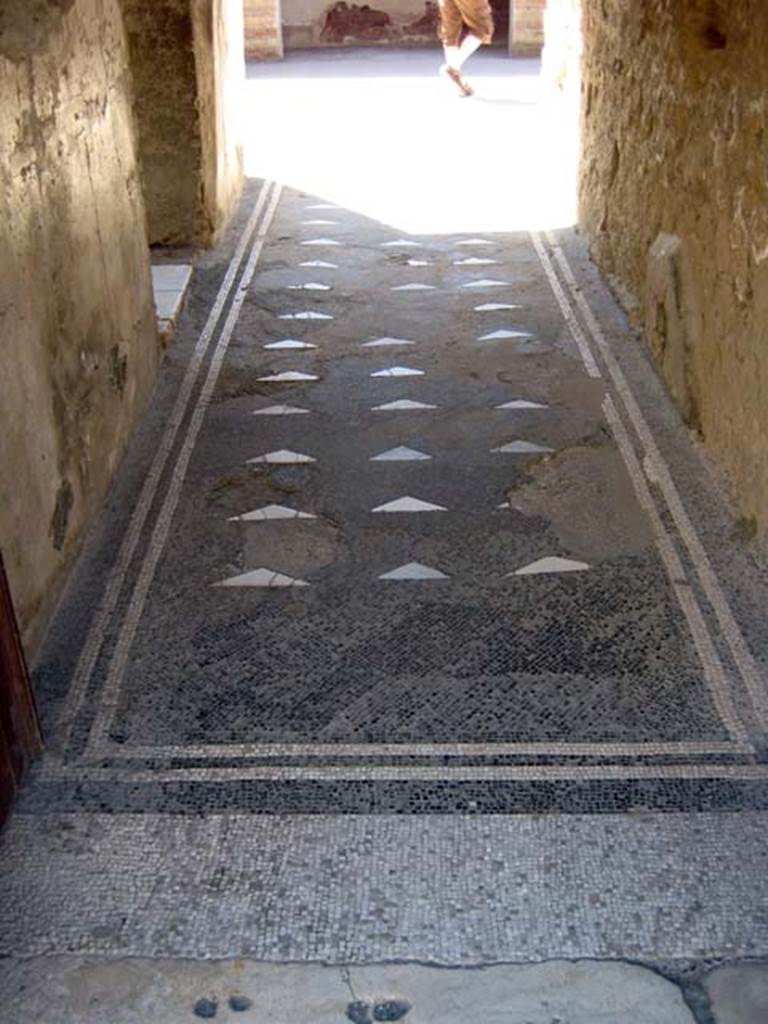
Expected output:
(417, 628)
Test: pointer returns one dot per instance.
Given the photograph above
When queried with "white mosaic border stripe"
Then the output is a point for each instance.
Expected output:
(416, 773)
(109, 697)
(99, 626)
(699, 632)
(539, 749)
(714, 673)
(658, 472)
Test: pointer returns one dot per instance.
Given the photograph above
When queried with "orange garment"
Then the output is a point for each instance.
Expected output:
(474, 15)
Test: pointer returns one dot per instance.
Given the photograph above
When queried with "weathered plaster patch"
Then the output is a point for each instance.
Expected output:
(68, 176)
(585, 494)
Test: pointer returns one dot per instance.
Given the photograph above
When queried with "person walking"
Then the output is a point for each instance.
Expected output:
(465, 25)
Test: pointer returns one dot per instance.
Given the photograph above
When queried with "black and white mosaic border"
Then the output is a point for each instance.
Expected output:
(650, 477)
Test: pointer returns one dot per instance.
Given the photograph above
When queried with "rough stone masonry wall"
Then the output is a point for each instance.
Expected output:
(78, 337)
(187, 65)
(674, 198)
(526, 37)
(219, 31)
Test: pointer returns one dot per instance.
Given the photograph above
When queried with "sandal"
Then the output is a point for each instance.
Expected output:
(455, 76)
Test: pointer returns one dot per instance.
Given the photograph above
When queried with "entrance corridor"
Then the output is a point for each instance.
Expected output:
(416, 627)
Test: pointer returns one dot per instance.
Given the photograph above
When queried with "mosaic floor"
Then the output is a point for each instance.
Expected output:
(414, 606)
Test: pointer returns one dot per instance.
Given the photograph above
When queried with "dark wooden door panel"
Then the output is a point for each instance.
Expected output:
(19, 730)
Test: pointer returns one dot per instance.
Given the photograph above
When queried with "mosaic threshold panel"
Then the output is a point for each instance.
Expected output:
(465, 581)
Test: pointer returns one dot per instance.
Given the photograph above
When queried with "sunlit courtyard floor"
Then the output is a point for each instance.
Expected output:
(385, 135)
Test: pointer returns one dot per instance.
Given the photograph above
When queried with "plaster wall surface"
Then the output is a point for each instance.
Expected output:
(77, 323)
(674, 198)
(187, 64)
(307, 22)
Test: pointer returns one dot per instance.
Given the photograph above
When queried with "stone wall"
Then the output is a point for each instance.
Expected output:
(219, 31)
(674, 198)
(263, 29)
(187, 64)
(77, 322)
(308, 23)
(526, 37)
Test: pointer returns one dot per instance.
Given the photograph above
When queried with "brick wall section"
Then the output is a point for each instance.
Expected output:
(526, 37)
(263, 30)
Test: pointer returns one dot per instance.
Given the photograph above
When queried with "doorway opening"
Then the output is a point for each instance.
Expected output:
(275, 27)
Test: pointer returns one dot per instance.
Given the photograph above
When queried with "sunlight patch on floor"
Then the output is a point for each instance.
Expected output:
(403, 149)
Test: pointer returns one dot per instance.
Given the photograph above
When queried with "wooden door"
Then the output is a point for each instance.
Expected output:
(19, 730)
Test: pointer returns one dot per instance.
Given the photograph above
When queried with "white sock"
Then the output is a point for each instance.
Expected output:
(468, 46)
(452, 58)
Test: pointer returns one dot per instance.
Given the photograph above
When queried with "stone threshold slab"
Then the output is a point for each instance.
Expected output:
(75, 990)
(170, 283)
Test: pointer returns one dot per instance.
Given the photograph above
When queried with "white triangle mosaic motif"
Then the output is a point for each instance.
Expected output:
(418, 263)
(323, 206)
(475, 241)
(414, 286)
(262, 578)
(262, 515)
(384, 342)
(522, 448)
(500, 335)
(474, 261)
(320, 265)
(284, 457)
(408, 504)
(317, 222)
(321, 241)
(521, 403)
(310, 286)
(492, 307)
(398, 371)
(401, 454)
(400, 242)
(550, 564)
(281, 410)
(402, 404)
(414, 571)
(307, 314)
(289, 343)
(287, 376)
(487, 282)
